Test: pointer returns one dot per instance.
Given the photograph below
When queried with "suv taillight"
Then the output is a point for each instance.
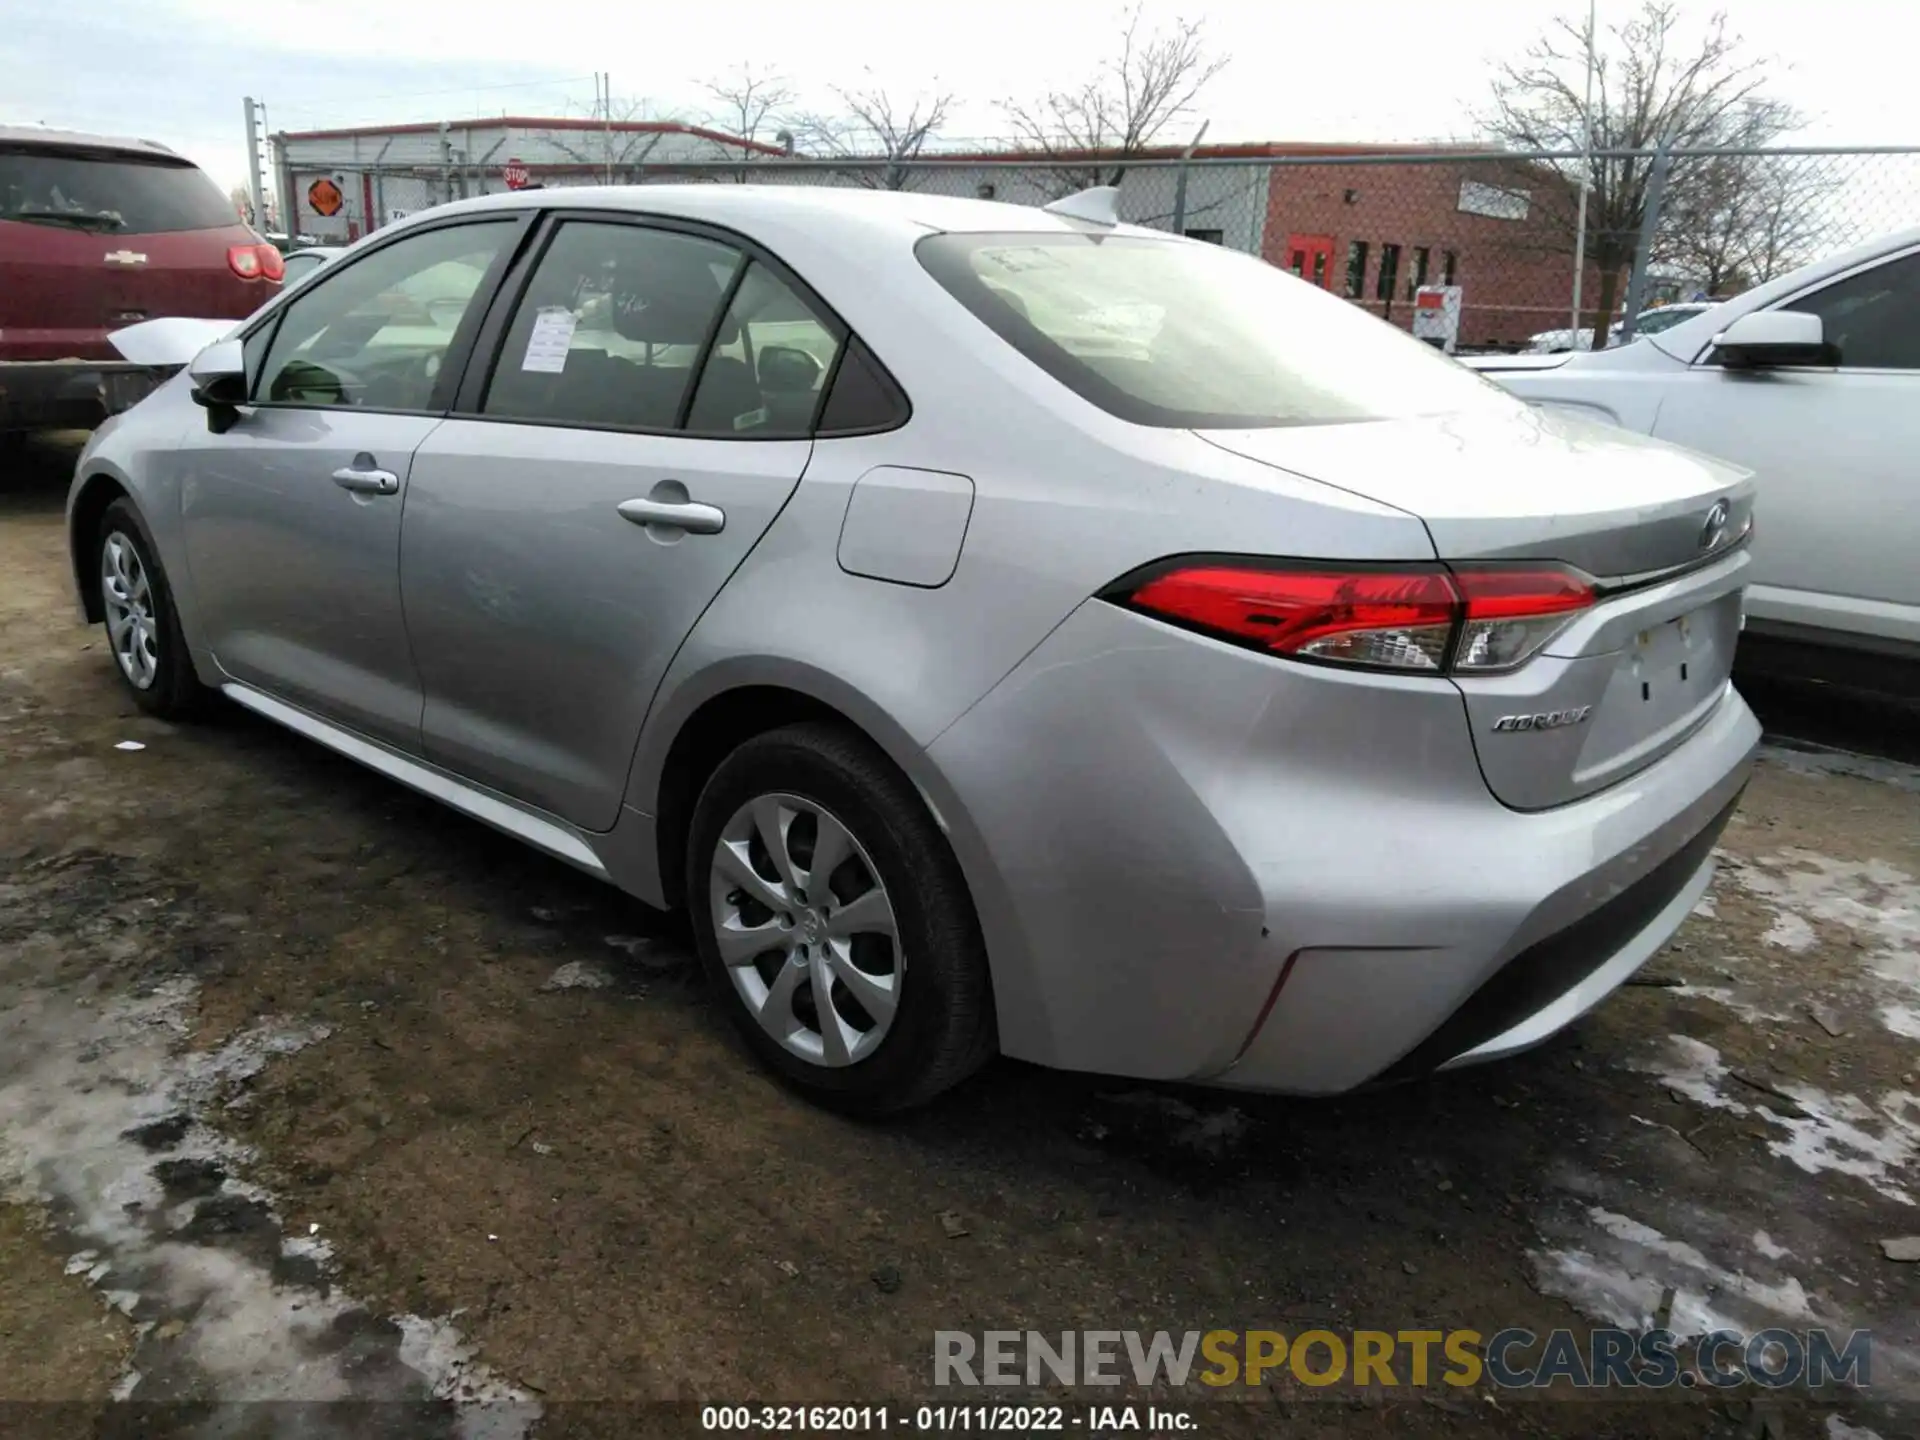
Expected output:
(1437, 619)
(256, 262)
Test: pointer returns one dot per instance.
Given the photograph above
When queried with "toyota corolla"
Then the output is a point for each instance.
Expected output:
(1001, 629)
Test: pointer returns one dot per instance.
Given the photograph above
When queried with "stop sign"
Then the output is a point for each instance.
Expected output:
(515, 174)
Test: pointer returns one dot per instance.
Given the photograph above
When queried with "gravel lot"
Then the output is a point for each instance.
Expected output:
(312, 1091)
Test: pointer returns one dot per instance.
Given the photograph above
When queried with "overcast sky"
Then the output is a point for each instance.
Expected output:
(175, 70)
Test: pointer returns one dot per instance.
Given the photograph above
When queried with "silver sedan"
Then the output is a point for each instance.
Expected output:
(1002, 629)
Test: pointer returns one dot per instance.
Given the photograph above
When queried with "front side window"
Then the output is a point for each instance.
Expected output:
(375, 333)
(1181, 336)
(611, 327)
(1873, 317)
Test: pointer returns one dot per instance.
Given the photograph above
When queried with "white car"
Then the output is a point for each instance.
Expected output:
(1813, 382)
(1651, 322)
(304, 262)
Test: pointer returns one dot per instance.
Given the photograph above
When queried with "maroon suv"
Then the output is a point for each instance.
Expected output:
(97, 234)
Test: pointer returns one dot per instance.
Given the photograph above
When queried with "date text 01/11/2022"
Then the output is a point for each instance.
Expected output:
(944, 1419)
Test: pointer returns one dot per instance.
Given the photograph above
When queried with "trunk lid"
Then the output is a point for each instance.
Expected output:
(94, 239)
(1659, 529)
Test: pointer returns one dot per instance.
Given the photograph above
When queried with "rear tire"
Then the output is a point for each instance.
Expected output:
(143, 628)
(889, 932)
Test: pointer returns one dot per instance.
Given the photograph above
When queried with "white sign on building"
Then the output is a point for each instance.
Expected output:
(1493, 201)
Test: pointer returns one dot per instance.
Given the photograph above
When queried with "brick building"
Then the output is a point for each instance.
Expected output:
(1370, 222)
(1376, 231)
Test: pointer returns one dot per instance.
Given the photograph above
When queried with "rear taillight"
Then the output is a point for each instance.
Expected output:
(1469, 620)
(256, 262)
(1510, 614)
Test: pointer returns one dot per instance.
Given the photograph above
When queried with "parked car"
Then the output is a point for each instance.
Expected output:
(97, 234)
(1650, 322)
(1260, 699)
(1812, 380)
(302, 263)
(287, 244)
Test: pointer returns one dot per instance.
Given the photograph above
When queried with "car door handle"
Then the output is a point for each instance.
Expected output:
(366, 482)
(688, 515)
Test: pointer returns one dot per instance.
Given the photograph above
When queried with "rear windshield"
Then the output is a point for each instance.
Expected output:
(1165, 333)
(109, 193)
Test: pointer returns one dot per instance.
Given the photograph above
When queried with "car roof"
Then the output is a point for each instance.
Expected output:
(747, 205)
(45, 137)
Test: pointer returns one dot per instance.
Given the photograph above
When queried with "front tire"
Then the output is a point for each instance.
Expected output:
(143, 628)
(834, 922)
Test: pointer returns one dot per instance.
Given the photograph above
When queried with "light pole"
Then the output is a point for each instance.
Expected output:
(1586, 182)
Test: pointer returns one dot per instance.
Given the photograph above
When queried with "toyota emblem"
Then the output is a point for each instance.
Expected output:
(1715, 528)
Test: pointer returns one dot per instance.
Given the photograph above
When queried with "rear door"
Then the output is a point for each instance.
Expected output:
(292, 515)
(1836, 451)
(645, 416)
(92, 240)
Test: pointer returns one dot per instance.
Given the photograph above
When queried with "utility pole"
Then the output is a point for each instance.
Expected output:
(256, 188)
(1586, 182)
(606, 119)
(1180, 180)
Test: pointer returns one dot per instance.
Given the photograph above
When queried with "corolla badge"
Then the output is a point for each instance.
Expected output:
(1544, 720)
(1715, 528)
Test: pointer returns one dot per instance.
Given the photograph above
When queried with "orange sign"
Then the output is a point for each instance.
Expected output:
(325, 197)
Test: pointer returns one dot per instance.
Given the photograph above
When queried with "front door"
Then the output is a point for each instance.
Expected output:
(1311, 257)
(1834, 454)
(565, 530)
(292, 516)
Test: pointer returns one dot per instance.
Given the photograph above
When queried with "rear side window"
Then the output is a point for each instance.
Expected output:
(864, 398)
(611, 327)
(770, 361)
(1177, 335)
(108, 193)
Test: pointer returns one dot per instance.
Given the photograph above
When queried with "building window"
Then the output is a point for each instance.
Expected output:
(1418, 276)
(1356, 269)
(1389, 271)
(1212, 237)
(1446, 267)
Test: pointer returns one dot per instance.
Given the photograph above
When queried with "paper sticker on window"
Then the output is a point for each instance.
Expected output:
(750, 419)
(547, 345)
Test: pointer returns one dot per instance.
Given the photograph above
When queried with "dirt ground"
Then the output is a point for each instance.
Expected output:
(329, 1095)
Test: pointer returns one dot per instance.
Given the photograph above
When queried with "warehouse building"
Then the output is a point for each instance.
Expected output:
(1373, 223)
(341, 184)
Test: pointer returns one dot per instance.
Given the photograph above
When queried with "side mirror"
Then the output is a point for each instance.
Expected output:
(219, 375)
(787, 371)
(1769, 338)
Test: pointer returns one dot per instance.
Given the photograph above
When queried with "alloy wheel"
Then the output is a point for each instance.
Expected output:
(132, 625)
(806, 929)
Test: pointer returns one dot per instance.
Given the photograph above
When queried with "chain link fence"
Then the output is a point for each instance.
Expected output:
(1378, 227)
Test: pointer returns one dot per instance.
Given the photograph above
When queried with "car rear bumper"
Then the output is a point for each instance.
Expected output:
(70, 394)
(1197, 863)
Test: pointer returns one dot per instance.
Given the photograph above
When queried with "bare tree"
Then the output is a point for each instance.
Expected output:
(1122, 107)
(242, 199)
(749, 101)
(875, 126)
(1652, 85)
(1747, 218)
(613, 151)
